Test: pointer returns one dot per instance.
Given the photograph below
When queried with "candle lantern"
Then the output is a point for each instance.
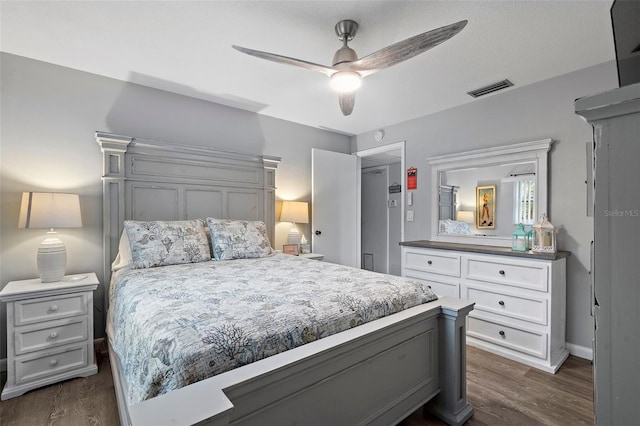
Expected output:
(544, 236)
(520, 239)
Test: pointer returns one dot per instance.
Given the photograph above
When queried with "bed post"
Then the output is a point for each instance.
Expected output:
(451, 404)
(269, 181)
(113, 176)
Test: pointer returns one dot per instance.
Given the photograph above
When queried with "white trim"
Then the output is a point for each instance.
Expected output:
(580, 351)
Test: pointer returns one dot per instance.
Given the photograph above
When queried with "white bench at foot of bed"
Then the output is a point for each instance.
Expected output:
(377, 373)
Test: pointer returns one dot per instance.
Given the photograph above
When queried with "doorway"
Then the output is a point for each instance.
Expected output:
(382, 210)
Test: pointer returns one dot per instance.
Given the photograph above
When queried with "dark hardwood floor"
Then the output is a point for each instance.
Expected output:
(502, 392)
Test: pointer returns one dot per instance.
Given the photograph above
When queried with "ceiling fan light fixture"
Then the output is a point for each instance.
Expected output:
(345, 81)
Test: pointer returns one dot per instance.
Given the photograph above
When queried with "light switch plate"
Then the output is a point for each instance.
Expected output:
(409, 215)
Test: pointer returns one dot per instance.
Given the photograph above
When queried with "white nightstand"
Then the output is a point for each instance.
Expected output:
(49, 332)
(314, 256)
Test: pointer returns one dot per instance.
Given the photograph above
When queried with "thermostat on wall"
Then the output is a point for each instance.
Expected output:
(378, 135)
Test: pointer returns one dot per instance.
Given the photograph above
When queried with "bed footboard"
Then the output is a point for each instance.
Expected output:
(377, 373)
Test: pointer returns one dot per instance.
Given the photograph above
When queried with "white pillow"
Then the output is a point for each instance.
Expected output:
(123, 259)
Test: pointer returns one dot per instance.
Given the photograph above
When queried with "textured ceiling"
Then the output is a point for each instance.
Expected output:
(185, 47)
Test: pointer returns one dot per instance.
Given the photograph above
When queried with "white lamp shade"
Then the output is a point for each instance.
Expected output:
(295, 212)
(50, 210)
(465, 216)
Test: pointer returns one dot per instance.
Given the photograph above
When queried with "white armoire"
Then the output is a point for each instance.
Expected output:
(615, 117)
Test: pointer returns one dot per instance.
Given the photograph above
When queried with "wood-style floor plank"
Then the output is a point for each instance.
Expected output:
(505, 392)
(501, 391)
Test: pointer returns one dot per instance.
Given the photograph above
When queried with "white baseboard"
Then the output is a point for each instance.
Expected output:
(580, 351)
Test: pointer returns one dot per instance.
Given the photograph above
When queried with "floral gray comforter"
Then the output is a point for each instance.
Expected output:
(174, 325)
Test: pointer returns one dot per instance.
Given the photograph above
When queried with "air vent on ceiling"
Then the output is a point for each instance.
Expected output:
(490, 88)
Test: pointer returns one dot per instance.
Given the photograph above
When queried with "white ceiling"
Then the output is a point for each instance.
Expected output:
(185, 47)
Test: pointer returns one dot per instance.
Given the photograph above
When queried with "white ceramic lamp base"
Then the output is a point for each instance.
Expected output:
(52, 259)
(293, 237)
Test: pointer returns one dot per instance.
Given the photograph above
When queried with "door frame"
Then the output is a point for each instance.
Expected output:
(380, 150)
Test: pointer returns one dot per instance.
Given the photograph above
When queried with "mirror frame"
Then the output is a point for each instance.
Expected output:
(534, 151)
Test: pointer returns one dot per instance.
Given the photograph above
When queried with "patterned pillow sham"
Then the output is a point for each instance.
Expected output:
(161, 243)
(449, 226)
(238, 239)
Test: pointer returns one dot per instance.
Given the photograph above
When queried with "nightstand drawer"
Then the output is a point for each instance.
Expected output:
(519, 274)
(432, 262)
(38, 367)
(50, 308)
(35, 337)
(511, 305)
(525, 341)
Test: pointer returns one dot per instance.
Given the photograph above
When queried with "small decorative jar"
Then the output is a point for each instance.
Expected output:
(520, 239)
(544, 236)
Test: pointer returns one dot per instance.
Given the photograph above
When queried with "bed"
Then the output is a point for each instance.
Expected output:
(377, 372)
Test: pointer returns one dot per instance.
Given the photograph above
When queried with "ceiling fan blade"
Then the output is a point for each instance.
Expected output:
(406, 49)
(286, 60)
(347, 101)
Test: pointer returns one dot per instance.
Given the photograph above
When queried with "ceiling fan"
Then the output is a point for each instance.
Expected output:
(347, 70)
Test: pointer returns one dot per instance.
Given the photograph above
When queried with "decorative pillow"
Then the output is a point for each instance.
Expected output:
(238, 239)
(162, 243)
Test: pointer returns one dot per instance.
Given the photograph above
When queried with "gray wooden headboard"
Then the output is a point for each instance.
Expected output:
(152, 180)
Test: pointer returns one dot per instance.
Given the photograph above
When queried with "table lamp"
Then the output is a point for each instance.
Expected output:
(465, 216)
(50, 210)
(294, 212)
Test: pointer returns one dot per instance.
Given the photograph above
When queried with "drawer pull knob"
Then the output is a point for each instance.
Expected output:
(53, 308)
(53, 362)
(501, 272)
(429, 262)
(53, 335)
(501, 333)
(501, 303)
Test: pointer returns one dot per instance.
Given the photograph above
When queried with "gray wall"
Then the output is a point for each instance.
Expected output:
(49, 115)
(520, 114)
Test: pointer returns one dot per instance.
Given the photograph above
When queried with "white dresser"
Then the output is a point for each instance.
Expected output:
(49, 332)
(520, 298)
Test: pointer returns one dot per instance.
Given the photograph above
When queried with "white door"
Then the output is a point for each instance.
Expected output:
(335, 206)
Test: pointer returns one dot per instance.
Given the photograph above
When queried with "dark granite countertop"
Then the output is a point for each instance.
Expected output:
(476, 248)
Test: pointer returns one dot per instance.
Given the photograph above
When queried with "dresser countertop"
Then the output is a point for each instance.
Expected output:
(476, 248)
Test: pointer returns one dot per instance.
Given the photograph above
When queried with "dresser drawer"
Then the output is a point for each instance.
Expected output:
(36, 337)
(439, 286)
(50, 308)
(511, 305)
(436, 262)
(524, 341)
(528, 275)
(38, 367)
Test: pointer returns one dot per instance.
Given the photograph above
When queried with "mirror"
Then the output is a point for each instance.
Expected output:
(479, 197)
